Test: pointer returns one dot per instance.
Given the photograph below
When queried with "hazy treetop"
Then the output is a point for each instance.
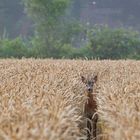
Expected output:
(117, 13)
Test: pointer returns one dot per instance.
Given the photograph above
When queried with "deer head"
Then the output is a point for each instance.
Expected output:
(89, 82)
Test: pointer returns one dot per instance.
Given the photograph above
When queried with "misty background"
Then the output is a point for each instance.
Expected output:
(81, 26)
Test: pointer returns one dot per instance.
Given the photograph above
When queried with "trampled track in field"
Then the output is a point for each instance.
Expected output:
(43, 99)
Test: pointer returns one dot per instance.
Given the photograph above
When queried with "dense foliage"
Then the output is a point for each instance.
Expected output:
(109, 43)
(13, 48)
(101, 43)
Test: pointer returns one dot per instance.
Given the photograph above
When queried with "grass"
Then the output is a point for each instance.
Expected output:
(43, 99)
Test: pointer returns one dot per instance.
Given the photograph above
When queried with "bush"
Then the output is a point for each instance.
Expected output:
(107, 43)
(13, 48)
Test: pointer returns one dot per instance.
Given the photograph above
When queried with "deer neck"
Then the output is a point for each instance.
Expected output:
(90, 95)
(91, 99)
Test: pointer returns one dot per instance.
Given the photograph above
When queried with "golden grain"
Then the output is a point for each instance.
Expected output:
(43, 99)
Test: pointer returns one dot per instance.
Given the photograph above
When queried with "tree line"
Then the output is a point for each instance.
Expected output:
(59, 33)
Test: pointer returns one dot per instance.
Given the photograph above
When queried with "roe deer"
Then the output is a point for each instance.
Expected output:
(90, 107)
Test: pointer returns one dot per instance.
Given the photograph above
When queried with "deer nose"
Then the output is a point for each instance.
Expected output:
(89, 89)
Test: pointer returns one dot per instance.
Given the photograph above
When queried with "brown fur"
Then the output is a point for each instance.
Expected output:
(90, 110)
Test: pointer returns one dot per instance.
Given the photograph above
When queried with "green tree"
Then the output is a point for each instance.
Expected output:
(48, 16)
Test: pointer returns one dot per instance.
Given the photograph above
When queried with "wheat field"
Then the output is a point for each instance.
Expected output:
(43, 99)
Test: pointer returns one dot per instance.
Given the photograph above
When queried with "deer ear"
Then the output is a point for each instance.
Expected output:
(83, 79)
(95, 78)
